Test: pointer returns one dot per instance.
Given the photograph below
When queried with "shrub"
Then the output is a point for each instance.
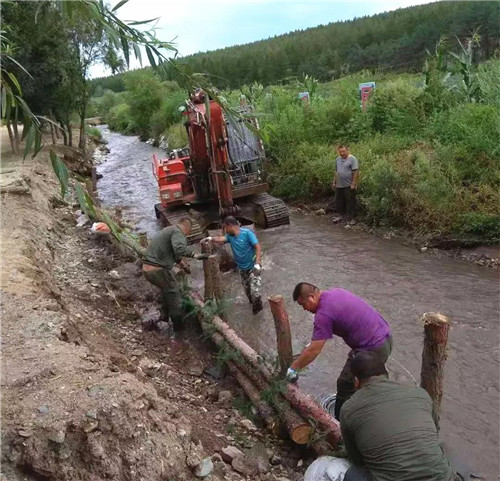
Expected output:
(176, 136)
(479, 223)
(119, 118)
(476, 127)
(94, 131)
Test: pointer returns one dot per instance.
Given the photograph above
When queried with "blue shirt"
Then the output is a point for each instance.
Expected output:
(243, 247)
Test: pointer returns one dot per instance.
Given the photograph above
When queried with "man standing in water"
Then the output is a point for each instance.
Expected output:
(247, 254)
(340, 312)
(345, 183)
(166, 249)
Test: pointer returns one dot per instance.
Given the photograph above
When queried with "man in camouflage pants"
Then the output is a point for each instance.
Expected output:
(247, 254)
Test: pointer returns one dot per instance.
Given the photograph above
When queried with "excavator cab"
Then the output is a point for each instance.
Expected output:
(220, 173)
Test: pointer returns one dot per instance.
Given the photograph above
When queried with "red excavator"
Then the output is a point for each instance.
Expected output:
(223, 164)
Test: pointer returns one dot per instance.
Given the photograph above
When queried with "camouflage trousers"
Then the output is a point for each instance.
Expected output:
(251, 283)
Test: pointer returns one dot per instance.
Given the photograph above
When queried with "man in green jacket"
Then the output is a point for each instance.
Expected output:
(167, 249)
(388, 428)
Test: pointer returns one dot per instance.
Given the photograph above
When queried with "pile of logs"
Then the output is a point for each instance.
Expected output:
(305, 421)
(288, 407)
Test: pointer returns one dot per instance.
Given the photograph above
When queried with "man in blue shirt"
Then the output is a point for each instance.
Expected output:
(247, 254)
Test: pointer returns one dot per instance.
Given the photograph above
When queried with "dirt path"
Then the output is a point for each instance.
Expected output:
(86, 394)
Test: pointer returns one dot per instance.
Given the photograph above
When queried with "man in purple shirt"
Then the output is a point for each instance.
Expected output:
(341, 313)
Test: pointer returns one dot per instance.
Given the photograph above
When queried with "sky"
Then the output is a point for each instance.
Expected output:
(202, 25)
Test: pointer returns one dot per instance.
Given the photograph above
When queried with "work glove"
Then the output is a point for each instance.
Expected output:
(201, 257)
(206, 239)
(292, 375)
(257, 269)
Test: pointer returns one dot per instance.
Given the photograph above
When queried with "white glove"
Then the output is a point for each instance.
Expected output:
(206, 239)
(257, 268)
(292, 375)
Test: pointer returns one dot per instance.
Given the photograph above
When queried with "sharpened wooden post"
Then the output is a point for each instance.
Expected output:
(213, 282)
(283, 336)
(436, 327)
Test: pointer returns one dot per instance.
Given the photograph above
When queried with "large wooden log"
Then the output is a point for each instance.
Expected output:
(436, 328)
(283, 335)
(298, 429)
(304, 404)
(213, 281)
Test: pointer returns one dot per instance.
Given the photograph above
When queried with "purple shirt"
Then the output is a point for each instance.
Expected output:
(342, 313)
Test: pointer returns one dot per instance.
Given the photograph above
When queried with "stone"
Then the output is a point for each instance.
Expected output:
(259, 456)
(57, 436)
(275, 460)
(43, 409)
(94, 391)
(245, 466)
(91, 414)
(320, 212)
(248, 425)
(114, 274)
(25, 432)
(204, 468)
(229, 453)
(225, 398)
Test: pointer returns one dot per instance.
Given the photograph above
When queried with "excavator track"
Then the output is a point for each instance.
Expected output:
(275, 210)
(172, 217)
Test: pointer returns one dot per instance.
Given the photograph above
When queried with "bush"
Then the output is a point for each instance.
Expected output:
(168, 113)
(176, 136)
(479, 223)
(94, 131)
(119, 118)
(475, 127)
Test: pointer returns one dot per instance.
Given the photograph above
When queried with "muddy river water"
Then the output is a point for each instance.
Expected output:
(398, 280)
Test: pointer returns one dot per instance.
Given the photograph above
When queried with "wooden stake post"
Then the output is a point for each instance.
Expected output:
(283, 336)
(213, 281)
(436, 327)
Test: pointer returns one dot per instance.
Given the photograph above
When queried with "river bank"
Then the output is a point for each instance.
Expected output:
(86, 394)
(399, 280)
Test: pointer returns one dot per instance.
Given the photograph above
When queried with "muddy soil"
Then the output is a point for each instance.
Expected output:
(86, 393)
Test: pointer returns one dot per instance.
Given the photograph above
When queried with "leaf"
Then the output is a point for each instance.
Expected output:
(30, 137)
(151, 58)
(125, 47)
(14, 80)
(137, 52)
(4, 102)
(61, 172)
(120, 4)
(142, 22)
(38, 142)
(81, 197)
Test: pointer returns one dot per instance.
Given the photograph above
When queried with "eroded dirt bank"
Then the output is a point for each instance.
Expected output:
(86, 394)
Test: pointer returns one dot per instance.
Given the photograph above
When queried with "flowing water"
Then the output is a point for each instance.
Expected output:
(398, 280)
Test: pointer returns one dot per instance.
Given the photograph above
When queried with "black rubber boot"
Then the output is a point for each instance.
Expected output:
(257, 306)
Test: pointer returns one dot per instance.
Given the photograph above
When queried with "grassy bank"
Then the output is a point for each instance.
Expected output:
(427, 143)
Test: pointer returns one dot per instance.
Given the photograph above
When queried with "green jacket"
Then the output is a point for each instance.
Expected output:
(167, 248)
(388, 428)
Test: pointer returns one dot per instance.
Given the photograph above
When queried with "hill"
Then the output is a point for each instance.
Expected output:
(395, 41)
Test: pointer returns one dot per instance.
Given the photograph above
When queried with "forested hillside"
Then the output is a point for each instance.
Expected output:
(390, 41)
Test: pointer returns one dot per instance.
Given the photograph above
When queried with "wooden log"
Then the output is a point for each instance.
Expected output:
(436, 328)
(298, 429)
(213, 281)
(283, 336)
(265, 411)
(304, 404)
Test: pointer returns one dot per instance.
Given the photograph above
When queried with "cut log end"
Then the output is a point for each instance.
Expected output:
(275, 298)
(301, 434)
(433, 318)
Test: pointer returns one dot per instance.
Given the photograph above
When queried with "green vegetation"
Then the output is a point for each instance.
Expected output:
(427, 143)
(394, 41)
